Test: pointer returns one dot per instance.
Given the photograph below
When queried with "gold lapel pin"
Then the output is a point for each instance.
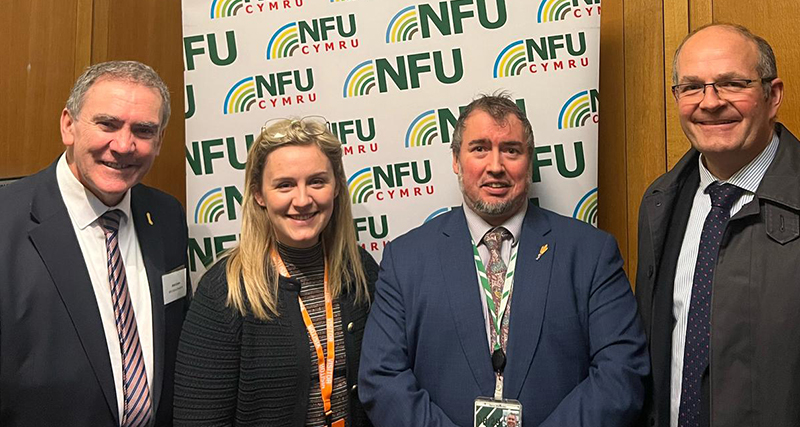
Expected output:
(149, 220)
(542, 250)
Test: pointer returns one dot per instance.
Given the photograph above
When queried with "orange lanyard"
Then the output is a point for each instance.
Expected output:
(325, 366)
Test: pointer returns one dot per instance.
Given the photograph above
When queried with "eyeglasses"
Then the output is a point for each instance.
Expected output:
(730, 89)
(310, 125)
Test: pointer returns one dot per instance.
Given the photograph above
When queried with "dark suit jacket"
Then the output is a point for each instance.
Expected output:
(753, 377)
(236, 370)
(576, 350)
(54, 363)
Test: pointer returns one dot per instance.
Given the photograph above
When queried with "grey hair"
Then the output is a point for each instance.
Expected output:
(129, 71)
(767, 67)
(498, 105)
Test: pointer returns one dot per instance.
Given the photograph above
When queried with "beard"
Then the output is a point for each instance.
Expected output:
(492, 209)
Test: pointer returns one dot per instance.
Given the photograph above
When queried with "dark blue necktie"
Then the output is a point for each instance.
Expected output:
(698, 327)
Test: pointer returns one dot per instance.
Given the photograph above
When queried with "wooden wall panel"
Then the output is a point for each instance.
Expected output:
(612, 179)
(775, 20)
(37, 72)
(150, 31)
(676, 27)
(644, 107)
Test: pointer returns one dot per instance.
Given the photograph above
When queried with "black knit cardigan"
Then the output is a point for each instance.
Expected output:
(235, 370)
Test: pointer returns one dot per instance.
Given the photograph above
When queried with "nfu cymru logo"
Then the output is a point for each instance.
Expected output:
(356, 135)
(313, 36)
(390, 182)
(579, 109)
(212, 207)
(549, 53)
(448, 20)
(586, 210)
(227, 8)
(403, 72)
(438, 123)
(270, 91)
(559, 10)
(377, 228)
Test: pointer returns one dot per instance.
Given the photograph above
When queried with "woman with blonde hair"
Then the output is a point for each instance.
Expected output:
(273, 335)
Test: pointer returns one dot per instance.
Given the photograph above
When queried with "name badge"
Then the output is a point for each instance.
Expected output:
(174, 285)
(497, 413)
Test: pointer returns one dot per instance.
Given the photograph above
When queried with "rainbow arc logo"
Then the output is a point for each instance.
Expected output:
(285, 42)
(586, 210)
(423, 130)
(361, 185)
(553, 10)
(360, 81)
(210, 208)
(403, 26)
(576, 111)
(511, 60)
(225, 8)
(241, 97)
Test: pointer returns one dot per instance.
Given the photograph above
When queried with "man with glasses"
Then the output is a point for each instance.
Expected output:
(718, 279)
(92, 266)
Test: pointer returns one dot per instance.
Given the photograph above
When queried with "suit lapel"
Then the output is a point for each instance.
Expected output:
(55, 240)
(153, 254)
(531, 285)
(461, 283)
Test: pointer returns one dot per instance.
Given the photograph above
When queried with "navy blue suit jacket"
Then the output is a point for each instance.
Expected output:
(576, 350)
(54, 364)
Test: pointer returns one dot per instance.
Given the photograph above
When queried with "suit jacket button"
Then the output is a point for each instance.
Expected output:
(350, 327)
(354, 388)
(649, 275)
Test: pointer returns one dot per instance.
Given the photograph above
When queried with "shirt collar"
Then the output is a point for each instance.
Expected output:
(747, 178)
(478, 227)
(83, 206)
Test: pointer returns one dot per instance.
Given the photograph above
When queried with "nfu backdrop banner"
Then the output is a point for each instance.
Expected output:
(390, 77)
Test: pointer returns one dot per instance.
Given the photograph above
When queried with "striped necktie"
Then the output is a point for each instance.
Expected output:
(137, 406)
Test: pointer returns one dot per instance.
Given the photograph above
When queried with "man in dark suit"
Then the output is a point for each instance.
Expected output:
(718, 276)
(93, 287)
(567, 345)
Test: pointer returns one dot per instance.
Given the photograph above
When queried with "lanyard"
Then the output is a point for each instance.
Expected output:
(325, 365)
(495, 315)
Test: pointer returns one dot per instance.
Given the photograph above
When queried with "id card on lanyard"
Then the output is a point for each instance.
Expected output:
(324, 364)
(496, 411)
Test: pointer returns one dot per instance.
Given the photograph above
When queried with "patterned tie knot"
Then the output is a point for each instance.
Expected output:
(723, 195)
(110, 220)
(493, 238)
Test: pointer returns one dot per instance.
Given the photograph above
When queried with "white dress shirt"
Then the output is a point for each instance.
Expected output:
(748, 178)
(84, 210)
(478, 227)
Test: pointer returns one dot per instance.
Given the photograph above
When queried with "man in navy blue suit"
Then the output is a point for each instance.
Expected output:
(503, 302)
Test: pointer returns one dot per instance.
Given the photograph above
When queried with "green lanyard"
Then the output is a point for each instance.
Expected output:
(496, 316)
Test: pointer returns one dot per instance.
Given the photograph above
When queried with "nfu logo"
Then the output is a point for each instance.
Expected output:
(586, 209)
(356, 135)
(448, 20)
(204, 154)
(391, 182)
(207, 249)
(270, 91)
(579, 109)
(559, 10)
(227, 8)
(376, 228)
(403, 72)
(438, 123)
(313, 36)
(194, 46)
(572, 167)
(218, 204)
(548, 53)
